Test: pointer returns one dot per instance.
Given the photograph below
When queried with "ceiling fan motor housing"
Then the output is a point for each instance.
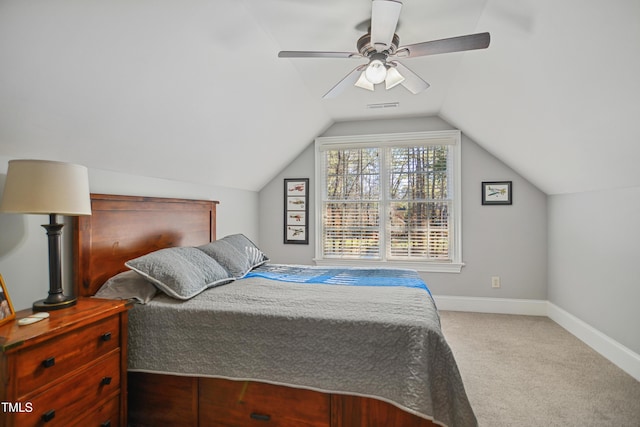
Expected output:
(366, 48)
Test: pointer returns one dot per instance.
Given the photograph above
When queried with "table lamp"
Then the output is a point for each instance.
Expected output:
(52, 188)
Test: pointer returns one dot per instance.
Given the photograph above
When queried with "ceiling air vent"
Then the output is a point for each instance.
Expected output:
(383, 105)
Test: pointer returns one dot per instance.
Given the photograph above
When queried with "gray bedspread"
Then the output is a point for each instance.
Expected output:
(369, 341)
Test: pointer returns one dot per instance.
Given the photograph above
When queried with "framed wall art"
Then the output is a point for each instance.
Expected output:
(296, 210)
(6, 308)
(496, 193)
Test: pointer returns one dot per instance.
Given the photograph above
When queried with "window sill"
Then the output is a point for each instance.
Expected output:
(427, 267)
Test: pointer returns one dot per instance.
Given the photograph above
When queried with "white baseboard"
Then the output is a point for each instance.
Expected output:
(616, 353)
(492, 305)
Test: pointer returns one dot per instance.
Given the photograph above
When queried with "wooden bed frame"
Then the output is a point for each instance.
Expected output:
(124, 227)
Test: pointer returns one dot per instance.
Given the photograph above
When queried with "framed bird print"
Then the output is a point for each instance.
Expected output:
(496, 193)
(296, 210)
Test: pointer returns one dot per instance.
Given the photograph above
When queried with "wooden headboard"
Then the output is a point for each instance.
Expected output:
(121, 228)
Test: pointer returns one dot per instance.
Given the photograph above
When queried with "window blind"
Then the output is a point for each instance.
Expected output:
(389, 199)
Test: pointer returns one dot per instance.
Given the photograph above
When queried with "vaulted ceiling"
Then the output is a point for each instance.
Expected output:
(193, 90)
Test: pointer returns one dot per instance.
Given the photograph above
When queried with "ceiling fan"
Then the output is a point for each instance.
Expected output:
(381, 46)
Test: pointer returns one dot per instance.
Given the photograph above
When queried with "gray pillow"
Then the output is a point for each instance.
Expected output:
(254, 255)
(235, 262)
(128, 285)
(181, 272)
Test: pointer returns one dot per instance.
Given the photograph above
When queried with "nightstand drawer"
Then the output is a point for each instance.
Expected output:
(43, 363)
(107, 415)
(76, 396)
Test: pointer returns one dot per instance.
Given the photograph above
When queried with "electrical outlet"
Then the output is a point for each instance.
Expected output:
(495, 281)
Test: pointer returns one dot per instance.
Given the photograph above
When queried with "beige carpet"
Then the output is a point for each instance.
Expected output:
(529, 371)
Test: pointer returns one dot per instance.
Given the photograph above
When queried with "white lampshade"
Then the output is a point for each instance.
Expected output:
(46, 187)
(394, 78)
(364, 83)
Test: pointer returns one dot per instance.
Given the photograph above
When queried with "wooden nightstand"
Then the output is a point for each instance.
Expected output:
(67, 370)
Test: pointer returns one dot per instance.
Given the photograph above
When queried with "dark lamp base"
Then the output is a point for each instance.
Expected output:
(44, 305)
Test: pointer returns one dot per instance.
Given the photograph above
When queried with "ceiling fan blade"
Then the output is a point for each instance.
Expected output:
(347, 81)
(411, 81)
(384, 19)
(453, 44)
(312, 54)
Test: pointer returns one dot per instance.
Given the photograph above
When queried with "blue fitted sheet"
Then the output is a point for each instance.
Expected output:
(340, 276)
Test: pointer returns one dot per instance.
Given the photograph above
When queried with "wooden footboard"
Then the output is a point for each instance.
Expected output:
(156, 399)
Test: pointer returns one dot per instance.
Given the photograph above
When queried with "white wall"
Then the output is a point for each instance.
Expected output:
(594, 269)
(505, 241)
(23, 242)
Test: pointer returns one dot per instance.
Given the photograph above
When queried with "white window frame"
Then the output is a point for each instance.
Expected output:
(449, 137)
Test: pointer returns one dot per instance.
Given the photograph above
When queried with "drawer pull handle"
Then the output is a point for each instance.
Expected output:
(106, 336)
(106, 381)
(106, 424)
(49, 362)
(260, 417)
(48, 416)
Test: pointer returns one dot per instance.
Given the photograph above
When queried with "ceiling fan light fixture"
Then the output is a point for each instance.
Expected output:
(393, 79)
(376, 71)
(364, 83)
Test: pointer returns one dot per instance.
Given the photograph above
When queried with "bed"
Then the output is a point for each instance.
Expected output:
(259, 351)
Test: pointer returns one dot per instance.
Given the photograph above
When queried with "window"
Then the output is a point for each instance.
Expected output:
(391, 198)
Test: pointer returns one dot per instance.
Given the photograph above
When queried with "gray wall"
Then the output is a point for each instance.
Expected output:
(594, 270)
(505, 241)
(23, 242)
